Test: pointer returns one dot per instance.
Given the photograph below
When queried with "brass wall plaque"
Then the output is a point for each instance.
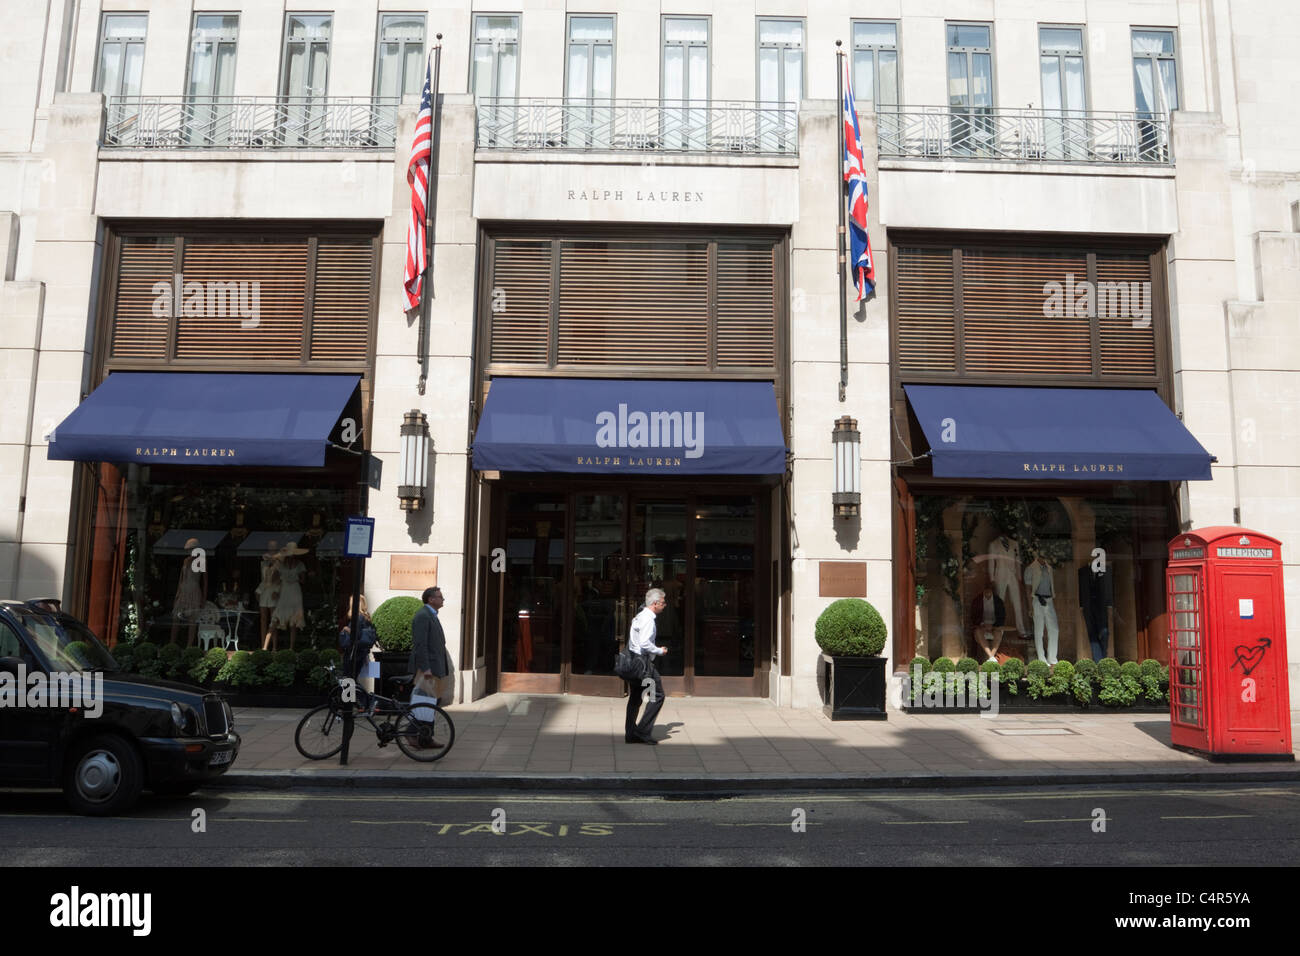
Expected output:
(841, 579)
(412, 572)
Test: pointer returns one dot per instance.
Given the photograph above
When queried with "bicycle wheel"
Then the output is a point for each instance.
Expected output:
(426, 740)
(319, 734)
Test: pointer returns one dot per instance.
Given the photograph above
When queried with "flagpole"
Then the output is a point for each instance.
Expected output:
(843, 254)
(426, 291)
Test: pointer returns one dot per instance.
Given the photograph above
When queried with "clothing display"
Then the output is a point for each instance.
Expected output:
(268, 591)
(288, 606)
(1096, 597)
(189, 593)
(1004, 573)
(1042, 591)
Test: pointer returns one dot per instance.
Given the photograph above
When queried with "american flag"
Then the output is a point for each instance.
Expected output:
(864, 267)
(417, 174)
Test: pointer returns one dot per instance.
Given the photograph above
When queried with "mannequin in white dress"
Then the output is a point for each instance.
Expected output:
(1004, 571)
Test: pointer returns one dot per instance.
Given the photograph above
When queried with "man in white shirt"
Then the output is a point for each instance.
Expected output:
(641, 640)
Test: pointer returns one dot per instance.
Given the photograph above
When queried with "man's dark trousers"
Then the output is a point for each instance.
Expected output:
(654, 704)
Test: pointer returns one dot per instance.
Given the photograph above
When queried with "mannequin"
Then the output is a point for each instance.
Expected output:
(1004, 572)
(1096, 597)
(268, 591)
(191, 592)
(288, 608)
(1042, 594)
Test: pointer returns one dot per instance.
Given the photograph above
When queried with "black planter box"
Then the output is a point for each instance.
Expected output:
(855, 688)
(391, 664)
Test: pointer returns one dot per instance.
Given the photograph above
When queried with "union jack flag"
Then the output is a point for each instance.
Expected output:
(863, 265)
(417, 174)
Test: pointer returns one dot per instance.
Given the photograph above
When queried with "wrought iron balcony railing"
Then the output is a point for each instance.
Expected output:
(251, 122)
(1048, 136)
(657, 126)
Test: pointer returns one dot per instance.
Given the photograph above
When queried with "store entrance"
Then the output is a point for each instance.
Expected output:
(578, 564)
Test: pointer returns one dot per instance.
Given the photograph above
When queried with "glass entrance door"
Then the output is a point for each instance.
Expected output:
(599, 596)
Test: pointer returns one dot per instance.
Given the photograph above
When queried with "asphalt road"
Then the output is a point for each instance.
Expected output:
(1118, 826)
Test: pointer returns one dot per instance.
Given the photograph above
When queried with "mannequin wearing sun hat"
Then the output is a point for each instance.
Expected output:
(288, 613)
(268, 589)
(191, 591)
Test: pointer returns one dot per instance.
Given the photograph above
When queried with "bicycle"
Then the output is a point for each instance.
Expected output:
(320, 732)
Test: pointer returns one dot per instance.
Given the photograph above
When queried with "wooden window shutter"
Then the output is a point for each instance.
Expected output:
(927, 339)
(341, 301)
(519, 301)
(137, 332)
(279, 267)
(635, 302)
(1124, 308)
(1004, 293)
(746, 305)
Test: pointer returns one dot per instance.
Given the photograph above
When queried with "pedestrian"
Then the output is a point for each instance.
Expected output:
(356, 654)
(641, 641)
(429, 659)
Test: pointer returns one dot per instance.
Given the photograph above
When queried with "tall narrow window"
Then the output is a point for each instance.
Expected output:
(970, 87)
(212, 78)
(589, 82)
(399, 59)
(685, 72)
(1155, 88)
(1060, 58)
(495, 66)
(121, 64)
(306, 77)
(780, 80)
(875, 75)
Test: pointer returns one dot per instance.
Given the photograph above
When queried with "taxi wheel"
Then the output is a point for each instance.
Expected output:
(103, 777)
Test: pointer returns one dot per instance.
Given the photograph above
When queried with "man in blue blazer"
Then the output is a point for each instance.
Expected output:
(428, 644)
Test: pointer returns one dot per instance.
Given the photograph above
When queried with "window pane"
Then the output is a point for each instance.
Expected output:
(780, 31)
(1051, 68)
(201, 68)
(578, 70)
(119, 27)
(1153, 41)
(1144, 85)
(506, 64)
(888, 78)
(982, 88)
(678, 30)
(110, 69)
(591, 28)
(216, 27)
(698, 90)
(793, 77)
(1074, 93)
(1168, 77)
(958, 87)
(769, 83)
(602, 79)
(482, 69)
(1053, 39)
(401, 27)
(674, 73)
(968, 35)
(413, 74)
(875, 34)
(309, 28)
(134, 68)
(863, 76)
(389, 70)
(496, 28)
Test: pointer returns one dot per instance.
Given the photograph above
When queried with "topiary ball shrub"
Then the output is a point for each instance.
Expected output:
(392, 621)
(124, 654)
(1150, 668)
(1086, 668)
(208, 666)
(330, 656)
(921, 662)
(1130, 669)
(189, 657)
(308, 658)
(944, 665)
(1013, 668)
(1038, 669)
(1108, 667)
(968, 665)
(991, 667)
(849, 627)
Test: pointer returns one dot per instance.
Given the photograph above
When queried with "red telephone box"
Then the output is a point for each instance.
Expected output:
(1228, 694)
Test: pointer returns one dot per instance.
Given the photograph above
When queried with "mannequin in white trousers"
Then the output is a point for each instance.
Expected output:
(1004, 571)
(1042, 592)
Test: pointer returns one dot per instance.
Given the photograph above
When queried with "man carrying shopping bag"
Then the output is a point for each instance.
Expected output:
(429, 659)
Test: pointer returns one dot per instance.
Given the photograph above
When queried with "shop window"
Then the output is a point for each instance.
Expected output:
(289, 300)
(1098, 586)
(271, 546)
(997, 312)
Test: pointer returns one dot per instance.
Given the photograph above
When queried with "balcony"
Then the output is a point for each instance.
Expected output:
(251, 122)
(638, 126)
(1023, 135)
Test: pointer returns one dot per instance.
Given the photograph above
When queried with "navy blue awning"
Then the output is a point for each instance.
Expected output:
(613, 426)
(205, 418)
(1056, 433)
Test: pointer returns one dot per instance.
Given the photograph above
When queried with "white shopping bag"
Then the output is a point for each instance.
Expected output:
(422, 706)
(369, 670)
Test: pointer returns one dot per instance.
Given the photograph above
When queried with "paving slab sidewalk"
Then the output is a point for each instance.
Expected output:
(570, 742)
